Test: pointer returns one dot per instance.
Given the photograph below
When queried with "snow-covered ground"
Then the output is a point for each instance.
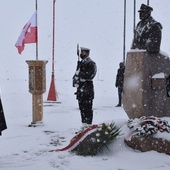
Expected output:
(96, 24)
(24, 147)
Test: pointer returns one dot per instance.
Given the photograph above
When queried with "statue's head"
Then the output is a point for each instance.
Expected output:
(145, 11)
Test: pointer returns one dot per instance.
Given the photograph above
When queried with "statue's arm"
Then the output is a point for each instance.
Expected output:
(154, 40)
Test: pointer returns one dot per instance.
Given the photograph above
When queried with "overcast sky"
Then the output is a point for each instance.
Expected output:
(96, 24)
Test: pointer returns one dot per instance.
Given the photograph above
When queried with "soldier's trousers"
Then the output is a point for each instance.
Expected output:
(120, 91)
(86, 111)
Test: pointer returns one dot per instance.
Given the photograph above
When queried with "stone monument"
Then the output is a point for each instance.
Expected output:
(147, 80)
(145, 91)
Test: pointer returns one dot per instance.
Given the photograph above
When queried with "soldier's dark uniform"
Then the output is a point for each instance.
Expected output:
(119, 81)
(2, 119)
(147, 34)
(83, 80)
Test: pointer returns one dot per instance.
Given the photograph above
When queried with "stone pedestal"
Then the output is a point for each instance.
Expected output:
(37, 86)
(144, 93)
(148, 143)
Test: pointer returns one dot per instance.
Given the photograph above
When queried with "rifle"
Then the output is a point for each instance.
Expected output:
(78, 52)
(76, 78)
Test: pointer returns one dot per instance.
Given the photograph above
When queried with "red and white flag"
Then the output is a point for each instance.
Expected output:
(28, 34)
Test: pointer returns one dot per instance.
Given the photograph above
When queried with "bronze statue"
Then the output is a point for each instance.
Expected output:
(147, 34)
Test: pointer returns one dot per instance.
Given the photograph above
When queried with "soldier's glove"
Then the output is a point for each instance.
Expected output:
(76, 81)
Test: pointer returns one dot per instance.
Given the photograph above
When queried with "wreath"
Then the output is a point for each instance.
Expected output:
(96, 141)
(146, 126)
(92, 139)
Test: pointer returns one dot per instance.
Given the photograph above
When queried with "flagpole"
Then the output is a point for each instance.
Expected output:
(36, 7)
(53, 44)
(134, 22)
(52, 95)
(124, 32)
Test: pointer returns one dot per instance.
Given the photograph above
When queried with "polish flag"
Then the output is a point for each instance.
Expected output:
(28, 34)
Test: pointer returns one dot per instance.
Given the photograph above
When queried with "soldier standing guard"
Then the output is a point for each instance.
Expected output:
(83, 80)
(147, 34)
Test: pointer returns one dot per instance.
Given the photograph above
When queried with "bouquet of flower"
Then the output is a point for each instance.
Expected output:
(95, 141)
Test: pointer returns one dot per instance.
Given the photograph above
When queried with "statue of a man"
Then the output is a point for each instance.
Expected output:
(147, 34)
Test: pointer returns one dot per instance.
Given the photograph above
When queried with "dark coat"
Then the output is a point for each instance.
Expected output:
(120, 76)
(2, 118)
(86, 74)
(147, 35)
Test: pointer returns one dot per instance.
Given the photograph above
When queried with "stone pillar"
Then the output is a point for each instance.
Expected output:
(37, 108)
(145, 95)
(37, 86)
